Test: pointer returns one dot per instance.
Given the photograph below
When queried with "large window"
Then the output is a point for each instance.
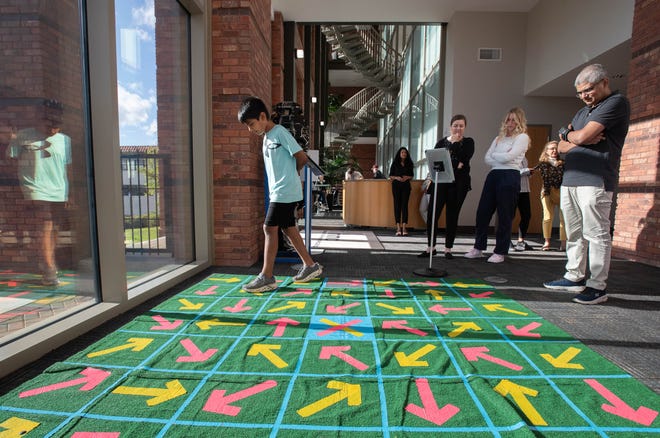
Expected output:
(153, 85)
(47, 238)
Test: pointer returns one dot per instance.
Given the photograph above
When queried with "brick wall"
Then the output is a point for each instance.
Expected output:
(241, 66)
(636, 235)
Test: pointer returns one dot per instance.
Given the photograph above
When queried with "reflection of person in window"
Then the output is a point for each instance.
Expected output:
(43, 165)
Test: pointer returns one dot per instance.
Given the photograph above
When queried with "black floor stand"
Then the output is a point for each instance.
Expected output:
(430, 271)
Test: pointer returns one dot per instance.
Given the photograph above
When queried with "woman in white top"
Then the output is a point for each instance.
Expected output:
(502, 185)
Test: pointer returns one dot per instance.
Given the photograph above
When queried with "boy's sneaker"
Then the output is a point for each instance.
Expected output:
(261, 284)
(474, 253)
(495, 258)
(591, 296)
(49, 278)
(308, 273)
(565, 284)
(520, 246)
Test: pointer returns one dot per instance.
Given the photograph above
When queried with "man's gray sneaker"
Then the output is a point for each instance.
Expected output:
(565, 284)
(261, 284)
(308, 273)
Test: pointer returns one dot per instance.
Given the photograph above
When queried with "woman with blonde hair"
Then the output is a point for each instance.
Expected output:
(502, 185)
(552, 172)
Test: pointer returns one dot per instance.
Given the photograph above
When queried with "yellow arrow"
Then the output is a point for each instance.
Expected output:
(226, 280)
(383, 283)
(134, 344)
(461, 327)
(413, 359)
(188, 305)
(290, 305)
(466, 285)
(563, 360)
(207, 324)
(352, 393)
(341, 293)
(346, 329)
(266, 351)
(17, 427)
(518, 394)
(51, 300)
(398, 310)
(436, 294)
(173, 389)
(500, 307)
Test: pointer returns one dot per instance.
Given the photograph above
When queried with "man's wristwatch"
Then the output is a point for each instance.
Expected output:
(563, 133)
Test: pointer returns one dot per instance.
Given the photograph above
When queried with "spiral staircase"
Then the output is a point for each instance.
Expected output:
(364, 49)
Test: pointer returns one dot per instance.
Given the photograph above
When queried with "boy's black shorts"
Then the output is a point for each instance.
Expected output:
(281, 214)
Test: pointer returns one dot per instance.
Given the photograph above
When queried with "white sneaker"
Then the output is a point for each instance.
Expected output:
(474, 253)
(496, 258)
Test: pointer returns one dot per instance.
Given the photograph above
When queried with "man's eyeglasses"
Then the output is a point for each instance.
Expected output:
(580, 93)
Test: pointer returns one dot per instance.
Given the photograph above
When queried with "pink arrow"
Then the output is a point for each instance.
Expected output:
(338, 351)
(525, 331)
(388, 294)
(445, 310)
(209, 291)
(281, 324)
(482, 294)
(196, 354)
(95, 435)
(473, 354)
(9, 283)
(220, 404)
(340, 309)
(298, 292)
(401, 325)
(352, 283)
(429, 410)
(239, 307)
(618, 407)
(93, 378)
(165, 324)
(17, 294)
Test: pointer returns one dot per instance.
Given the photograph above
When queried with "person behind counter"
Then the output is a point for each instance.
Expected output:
(376, 172)
(353, 175)
(401, 172)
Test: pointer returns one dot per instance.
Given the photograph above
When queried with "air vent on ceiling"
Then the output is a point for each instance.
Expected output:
(490, 54)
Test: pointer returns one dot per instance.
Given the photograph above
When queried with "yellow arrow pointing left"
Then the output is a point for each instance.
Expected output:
(352, 393)
(134, 344)
(188, 305)
(226, 280)
(501, 308)
(267, 352)
(564, 359)
(173, 389)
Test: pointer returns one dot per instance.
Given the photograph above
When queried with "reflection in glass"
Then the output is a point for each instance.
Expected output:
(48, 266)
(153, 83)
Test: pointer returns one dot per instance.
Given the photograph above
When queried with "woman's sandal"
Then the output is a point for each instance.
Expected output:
(545, 247)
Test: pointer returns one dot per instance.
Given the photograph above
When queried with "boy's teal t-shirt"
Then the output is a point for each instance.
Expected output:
(284, 182)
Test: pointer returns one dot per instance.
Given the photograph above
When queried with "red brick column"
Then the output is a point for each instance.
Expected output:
(636, 235)
(241, 66)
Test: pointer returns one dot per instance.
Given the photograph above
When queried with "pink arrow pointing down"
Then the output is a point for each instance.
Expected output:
(473, 354)
(401, 325)
(618, 407)
(429, 410)
(95, 435)
(445, 310)
(338, 351)
(239, 307)
(93, 378)
(209, 291)
(165, 324)
(196, 354)
(340, 309)
(388, 294)
(482, 294)
(281, 324)
(220, 404)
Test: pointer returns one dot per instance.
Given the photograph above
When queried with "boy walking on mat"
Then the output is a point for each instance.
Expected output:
(283, 159)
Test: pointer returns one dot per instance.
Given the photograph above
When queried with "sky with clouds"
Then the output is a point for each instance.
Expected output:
(136, 72)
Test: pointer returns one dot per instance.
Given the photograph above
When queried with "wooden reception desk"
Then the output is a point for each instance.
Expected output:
(369, 202)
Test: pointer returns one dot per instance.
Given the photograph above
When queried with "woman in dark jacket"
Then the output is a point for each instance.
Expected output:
(451, 194)
(401, 172)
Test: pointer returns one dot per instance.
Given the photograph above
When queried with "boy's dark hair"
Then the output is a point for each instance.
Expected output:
(251, 108)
